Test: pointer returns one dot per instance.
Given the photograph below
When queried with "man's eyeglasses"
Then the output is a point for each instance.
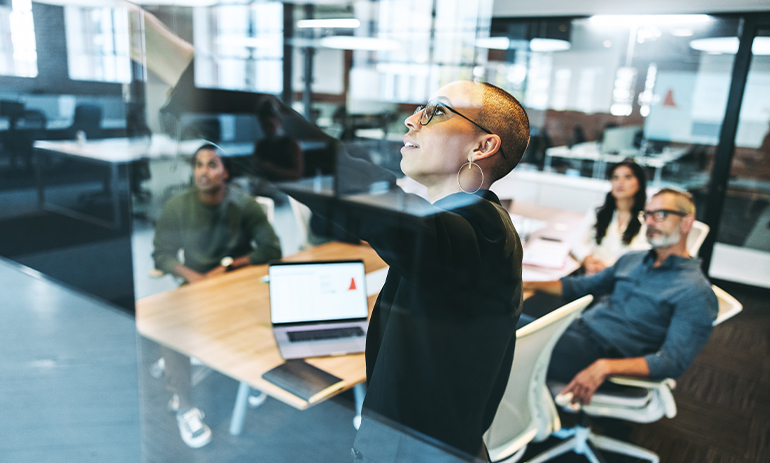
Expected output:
(429, 110)
(660, 215)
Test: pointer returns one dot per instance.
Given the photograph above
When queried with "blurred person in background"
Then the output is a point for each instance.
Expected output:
(615, 227)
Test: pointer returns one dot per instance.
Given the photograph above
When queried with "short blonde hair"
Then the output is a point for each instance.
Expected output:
(684, 200)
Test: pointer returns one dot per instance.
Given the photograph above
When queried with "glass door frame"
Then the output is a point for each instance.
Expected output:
(749, 25)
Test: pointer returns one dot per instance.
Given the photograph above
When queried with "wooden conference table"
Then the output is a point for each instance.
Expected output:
(225, 323)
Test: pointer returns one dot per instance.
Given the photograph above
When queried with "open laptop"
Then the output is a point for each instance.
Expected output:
(318, 308)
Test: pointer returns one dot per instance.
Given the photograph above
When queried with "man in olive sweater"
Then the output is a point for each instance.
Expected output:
(218, 228)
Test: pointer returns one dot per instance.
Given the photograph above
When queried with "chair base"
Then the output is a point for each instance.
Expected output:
(583, 441)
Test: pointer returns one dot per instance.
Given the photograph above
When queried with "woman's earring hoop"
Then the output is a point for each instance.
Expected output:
(470, 165)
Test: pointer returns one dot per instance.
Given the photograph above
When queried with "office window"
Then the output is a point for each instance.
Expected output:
(419, 47)
(239, 47)
(18, 52)
(98, 44)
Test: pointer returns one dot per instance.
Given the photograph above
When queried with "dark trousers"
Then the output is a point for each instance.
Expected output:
(577, 348)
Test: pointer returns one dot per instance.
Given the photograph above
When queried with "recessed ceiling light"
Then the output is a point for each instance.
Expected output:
(547, 45)
(359, 43)
(761, 45)
(537, 44)
(682, 32)
(494, 43)
(648, 19)
(341, 23)
(249, 42)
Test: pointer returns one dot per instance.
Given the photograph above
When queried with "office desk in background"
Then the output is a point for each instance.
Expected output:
(534, 222)
(591, 151)
(225, 323)
(116, 154)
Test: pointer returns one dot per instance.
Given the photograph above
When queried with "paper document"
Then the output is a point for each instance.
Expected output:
(546, 253)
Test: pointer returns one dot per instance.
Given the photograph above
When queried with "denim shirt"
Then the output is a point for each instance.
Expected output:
(664, 314)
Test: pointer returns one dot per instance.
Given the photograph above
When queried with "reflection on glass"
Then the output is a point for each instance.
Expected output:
(430, 53)
(742, 251)
(18, 53)
(239, 47)
(97, 44)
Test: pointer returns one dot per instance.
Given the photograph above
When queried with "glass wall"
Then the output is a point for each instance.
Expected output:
(742, 249)
(93, 205)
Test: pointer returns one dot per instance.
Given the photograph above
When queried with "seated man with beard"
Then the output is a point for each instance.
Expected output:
(656, 313)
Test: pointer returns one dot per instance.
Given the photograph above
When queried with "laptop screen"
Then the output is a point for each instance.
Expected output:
(317, 291)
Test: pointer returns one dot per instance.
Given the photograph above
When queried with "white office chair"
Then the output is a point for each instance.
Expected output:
(302, 218)
(268, 206)
(524, 410)
(696, 237)
(648, 401)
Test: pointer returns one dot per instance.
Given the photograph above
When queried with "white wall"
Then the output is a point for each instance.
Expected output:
(516, 8)
(559, 191)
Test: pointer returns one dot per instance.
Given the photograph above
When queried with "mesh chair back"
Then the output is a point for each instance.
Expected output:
(518, 415)
(88, 118)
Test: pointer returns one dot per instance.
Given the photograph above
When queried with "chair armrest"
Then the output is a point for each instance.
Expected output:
(663, 388)
(642, 382)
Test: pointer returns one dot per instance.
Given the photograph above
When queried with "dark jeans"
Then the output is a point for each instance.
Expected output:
(577, 348)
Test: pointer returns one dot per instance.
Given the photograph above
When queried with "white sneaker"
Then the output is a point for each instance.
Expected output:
(173, 403)
(158, 368)
(194, 432)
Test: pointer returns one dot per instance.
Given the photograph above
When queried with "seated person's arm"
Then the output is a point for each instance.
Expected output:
(585, 383)
(571, 288)
(593, 265)
(688, 332)
(167, 243)
(190, 275)
(550, 287)
(583, 247)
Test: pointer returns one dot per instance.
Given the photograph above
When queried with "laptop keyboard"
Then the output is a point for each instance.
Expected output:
(334, 333)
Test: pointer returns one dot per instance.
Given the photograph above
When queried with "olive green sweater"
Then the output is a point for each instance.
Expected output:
(235, 227)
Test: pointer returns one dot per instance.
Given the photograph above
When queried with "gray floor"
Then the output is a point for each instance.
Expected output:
(68, 387)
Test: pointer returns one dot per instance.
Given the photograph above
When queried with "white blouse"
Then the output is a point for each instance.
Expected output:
(612, 246)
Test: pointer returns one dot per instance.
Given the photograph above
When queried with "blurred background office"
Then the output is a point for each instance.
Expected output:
(93, 142)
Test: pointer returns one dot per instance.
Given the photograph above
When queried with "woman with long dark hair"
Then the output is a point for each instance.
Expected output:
(615, 228)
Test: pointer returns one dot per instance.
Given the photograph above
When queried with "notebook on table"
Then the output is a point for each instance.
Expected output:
(318, 308)
(304, 380)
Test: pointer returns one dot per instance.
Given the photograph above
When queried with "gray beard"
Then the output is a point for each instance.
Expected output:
(665, 240)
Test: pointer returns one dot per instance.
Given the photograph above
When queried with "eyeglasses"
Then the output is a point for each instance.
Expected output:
(660, 215)
(429, 110)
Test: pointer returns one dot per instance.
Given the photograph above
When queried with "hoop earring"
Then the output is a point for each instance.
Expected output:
(470, 165)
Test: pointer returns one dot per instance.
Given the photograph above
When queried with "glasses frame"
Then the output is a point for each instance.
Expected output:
(665, 212)
(436, 104)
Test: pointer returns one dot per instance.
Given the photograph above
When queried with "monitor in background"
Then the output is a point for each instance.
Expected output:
(619, 139)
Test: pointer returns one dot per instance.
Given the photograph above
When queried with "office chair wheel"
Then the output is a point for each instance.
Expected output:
(158, 368)
(257, 400)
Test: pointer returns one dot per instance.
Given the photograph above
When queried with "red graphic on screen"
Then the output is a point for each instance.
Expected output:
(669, 99)
(352, 284)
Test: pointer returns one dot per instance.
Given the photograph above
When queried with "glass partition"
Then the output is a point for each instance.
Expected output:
(178, 226)
(742, 249)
